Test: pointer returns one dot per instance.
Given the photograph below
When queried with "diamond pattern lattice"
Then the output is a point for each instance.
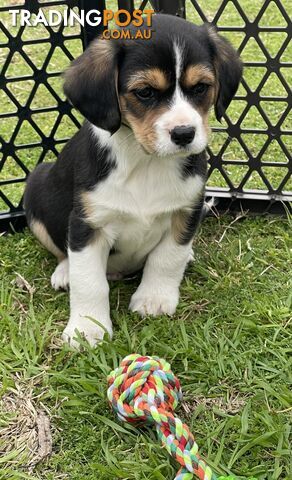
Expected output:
(35, 118)
(250, 154)
(259, 119)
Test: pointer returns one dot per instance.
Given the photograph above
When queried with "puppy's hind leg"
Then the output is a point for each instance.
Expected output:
(41, 233)
(47, 212)
(60, 277)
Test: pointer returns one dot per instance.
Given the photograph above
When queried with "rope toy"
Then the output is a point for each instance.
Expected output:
(145, 390)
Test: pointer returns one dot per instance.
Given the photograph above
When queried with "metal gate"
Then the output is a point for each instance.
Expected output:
(36, 120)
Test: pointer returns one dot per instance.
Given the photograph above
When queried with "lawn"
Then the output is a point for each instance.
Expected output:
(229, 342)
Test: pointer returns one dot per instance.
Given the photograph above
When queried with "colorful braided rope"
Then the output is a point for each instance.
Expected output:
(144, 390)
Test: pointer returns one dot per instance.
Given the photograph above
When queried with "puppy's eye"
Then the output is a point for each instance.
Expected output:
(145, 93)
(200, 88)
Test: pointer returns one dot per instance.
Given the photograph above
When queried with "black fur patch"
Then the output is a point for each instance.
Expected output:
(53, 190)
(80, 233)
(195, 165)
(193, 222)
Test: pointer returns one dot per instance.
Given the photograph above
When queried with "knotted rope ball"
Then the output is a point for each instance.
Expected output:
(144, 390)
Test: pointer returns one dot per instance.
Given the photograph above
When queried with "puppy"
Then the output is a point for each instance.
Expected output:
(127, 191)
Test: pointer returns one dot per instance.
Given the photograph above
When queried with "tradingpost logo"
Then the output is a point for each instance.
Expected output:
(116, 23)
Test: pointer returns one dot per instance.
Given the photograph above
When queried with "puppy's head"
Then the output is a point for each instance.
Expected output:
(161, 88)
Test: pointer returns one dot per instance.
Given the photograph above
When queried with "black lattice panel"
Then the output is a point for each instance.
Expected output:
(250, 154)
(36, 120)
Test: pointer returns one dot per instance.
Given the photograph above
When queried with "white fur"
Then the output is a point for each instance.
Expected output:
(178, 53)
(89, 293)
(158, 292)
(181, 113)
(60, 277)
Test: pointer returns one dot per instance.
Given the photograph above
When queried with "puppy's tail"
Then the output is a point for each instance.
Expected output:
(209, 206)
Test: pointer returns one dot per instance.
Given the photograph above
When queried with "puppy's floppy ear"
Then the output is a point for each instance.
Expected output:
(91, 84)
(228, 68)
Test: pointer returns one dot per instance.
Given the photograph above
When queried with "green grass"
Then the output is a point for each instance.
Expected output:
(236, 161)
(229, 343)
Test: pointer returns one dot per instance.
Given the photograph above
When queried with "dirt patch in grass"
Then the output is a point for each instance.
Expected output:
(25, 424)
(230, 406)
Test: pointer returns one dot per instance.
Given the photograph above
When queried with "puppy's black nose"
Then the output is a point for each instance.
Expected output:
(182, 135)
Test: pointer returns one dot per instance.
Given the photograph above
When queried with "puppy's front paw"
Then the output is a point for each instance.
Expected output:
(60, 277)
(89, 330)
(163, 303)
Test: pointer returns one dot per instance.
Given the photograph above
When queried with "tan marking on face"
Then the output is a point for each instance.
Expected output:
(143, 123)
(201, 74)
(179, 224)
(196, 74)
(153, 77)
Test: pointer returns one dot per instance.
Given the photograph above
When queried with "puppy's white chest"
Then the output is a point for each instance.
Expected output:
(148, 191)
(135, 208)
(140, 213)
(134, 242)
